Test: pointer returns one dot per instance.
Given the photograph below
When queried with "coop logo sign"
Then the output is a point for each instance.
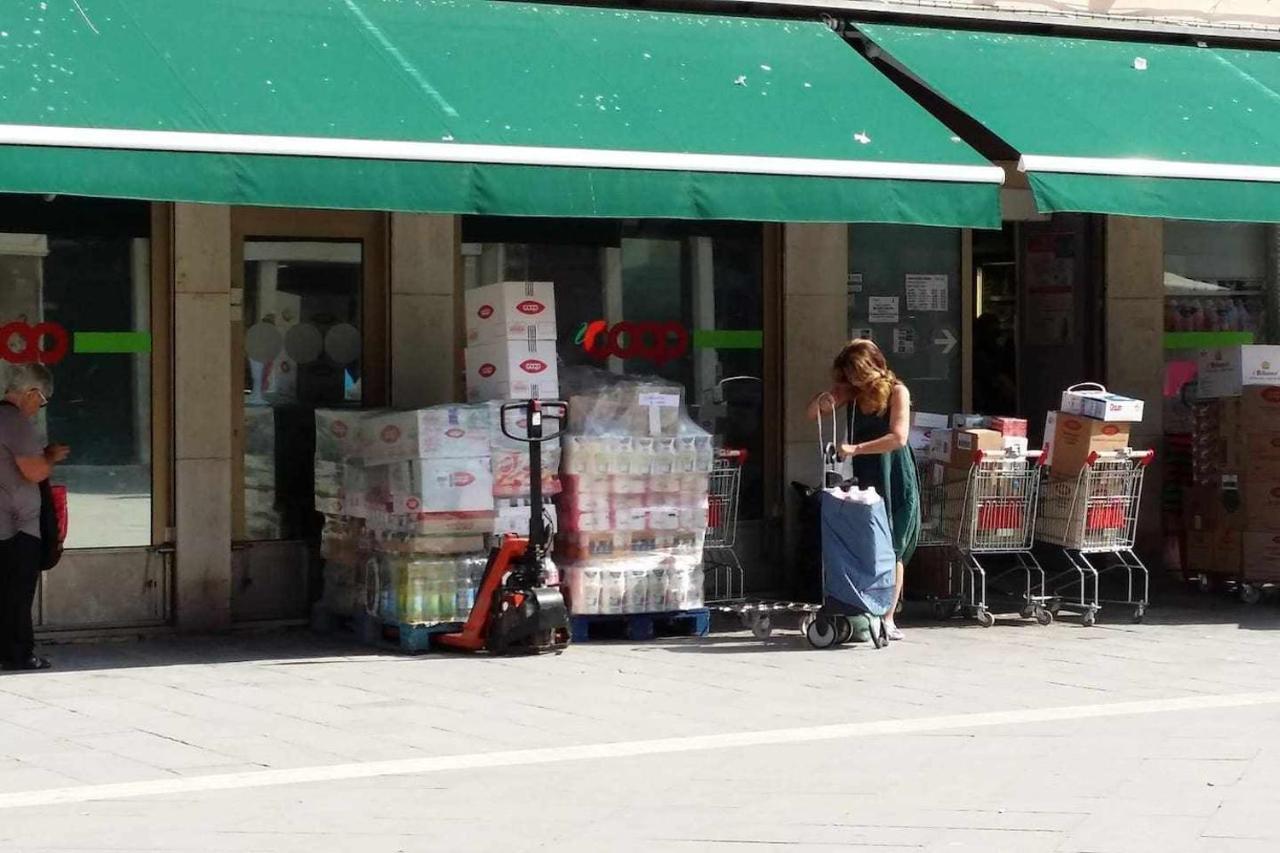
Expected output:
(42, 343)
(656, 342)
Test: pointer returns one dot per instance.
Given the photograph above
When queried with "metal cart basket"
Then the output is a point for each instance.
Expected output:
(991, 516)
(1096, 514)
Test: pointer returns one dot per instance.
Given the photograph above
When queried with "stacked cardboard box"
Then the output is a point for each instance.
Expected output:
(1233, 514)
(511, 342)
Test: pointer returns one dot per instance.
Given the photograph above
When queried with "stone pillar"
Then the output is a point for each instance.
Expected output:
(426, 322)
(202, 424)
(1135, 347)
(815, 316)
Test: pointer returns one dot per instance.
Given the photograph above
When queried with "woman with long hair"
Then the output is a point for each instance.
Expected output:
(879, 418)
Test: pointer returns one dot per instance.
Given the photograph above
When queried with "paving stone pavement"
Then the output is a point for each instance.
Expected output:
(1202, 777)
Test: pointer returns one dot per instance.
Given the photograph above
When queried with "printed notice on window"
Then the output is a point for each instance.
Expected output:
(882, 309)
(904, 340)
(926, 293)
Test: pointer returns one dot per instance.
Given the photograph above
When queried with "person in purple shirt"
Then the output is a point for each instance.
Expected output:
(25, 462)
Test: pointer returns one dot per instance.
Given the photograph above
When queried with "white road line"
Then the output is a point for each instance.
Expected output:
(623, 749)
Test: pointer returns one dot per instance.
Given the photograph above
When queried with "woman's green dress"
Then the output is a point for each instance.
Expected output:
(891, 474)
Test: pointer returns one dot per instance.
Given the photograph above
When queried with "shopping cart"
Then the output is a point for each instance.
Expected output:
(1091, 515)
(991, 515)
(725, 580)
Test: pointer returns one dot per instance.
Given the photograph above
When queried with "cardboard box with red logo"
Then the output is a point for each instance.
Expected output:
(439, 485)
(1071, 439)
(512, 370)
(524, 310)
(443, 432)
(1228, 371)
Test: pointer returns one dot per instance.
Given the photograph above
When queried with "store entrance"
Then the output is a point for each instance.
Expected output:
(995, 324)
(307, 334)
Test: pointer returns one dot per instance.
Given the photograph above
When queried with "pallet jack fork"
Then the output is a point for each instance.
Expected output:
(515, 610)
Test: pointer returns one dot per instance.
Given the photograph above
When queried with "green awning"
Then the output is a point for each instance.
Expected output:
(1103, 126)
(469, 106)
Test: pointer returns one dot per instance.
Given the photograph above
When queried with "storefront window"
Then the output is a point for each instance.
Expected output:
(904, 293)
(302, 351)
(704, 277)
(1216, 282)
(82, 268)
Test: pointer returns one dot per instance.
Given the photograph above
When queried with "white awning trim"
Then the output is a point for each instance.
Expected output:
(1139, 168)
(512, 155)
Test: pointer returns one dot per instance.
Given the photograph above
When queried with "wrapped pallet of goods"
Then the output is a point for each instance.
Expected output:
(633, 509)
(428, 480)
(339, 496)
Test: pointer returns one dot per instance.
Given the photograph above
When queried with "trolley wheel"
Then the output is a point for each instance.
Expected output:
(1044, 617)
(1250, 594)
(941, 611)
(806, 622)
(762, 627)
(1139, 613)
(879, 634)
(1054, 606)
(821, 632)
(985, 618)
(844, 630)
(1029, 612)
(1089, 618)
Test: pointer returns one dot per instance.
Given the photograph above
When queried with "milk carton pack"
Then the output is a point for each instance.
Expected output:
(439, 485)
(1226, 372)
(441, 432)
(509, 370)
(509, 310)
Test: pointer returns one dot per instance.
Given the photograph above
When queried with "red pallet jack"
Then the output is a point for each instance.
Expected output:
(515, 611)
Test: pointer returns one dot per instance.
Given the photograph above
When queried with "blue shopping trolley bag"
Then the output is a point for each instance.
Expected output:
(858, 561)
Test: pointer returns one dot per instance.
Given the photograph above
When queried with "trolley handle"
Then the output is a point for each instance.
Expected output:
(1087, 386)
(536, 411)
(1142, 457)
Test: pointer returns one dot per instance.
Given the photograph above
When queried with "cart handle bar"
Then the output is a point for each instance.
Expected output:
(537, 411)
(1142, 457)
(1036, 455)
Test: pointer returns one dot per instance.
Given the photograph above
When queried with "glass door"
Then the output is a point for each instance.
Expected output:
(309, 334)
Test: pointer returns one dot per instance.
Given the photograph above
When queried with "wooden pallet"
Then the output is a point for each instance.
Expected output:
(640, 627)
(405, 637)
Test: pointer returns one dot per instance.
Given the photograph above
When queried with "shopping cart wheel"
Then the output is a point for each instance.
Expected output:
(762, 627)
(844, 630)
(806, 622)
(821, 632)
(1139, 613)
(1054, 606)
(1250, 594)
(1044, 617)
(1089, 618)
(1028, 612)
(985, 617)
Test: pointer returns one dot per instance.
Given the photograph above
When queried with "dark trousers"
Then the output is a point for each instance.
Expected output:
(19, 575)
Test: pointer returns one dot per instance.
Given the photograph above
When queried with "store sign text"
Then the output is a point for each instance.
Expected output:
(656, 342)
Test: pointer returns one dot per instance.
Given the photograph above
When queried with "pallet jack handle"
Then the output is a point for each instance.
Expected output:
(535, 433)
